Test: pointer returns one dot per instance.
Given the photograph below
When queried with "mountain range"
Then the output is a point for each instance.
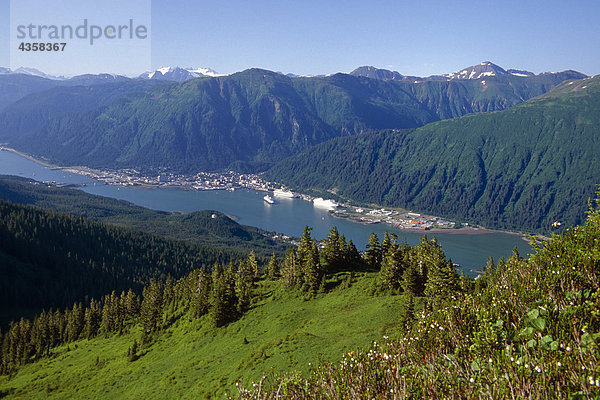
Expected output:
(177, 74)
(245, 121)
(479, 71)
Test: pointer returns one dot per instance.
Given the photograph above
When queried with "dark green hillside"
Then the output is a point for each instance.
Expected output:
(16, 86)
(31, 112)
(198, 227)
(247, 120)
(521, 168)
(53, 260)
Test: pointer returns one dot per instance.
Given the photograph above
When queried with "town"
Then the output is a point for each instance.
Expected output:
(232, 181)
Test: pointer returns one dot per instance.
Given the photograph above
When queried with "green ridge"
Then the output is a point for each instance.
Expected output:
(521, 168)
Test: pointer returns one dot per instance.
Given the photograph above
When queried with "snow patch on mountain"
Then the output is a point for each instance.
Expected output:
(178, 74)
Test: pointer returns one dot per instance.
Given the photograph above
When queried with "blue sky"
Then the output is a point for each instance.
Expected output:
(414, 38)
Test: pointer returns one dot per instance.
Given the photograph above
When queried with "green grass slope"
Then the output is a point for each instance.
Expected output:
(531, 331)
(192, 359)
(521, 168)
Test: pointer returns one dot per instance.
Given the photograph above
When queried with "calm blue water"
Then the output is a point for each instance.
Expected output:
(288, 216)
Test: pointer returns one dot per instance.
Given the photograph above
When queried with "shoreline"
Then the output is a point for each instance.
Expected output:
(87, 171)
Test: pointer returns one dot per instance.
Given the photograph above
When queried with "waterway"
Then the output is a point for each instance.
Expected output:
(288, 216)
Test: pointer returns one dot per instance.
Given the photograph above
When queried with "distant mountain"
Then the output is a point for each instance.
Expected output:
(244, 121)
(177, 74)
(95, 79)
(521, 168)
(518, 72)
(34, 72)
(377, 73)
(483, 70)
(480, 71)
(16, 86)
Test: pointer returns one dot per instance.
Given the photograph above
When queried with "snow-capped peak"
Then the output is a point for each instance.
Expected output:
(178, 74)
(484, 69)
(205, 71)
(29, 71)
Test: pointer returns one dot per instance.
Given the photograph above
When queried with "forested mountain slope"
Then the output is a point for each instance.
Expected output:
(244, 121)
(53, 260)
(521, 168)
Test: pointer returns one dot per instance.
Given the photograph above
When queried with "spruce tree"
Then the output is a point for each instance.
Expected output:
(311, 270)
(372, 255)
(92, 319)
(152, 307)
(352, 258)
(305, 246)
(199, 292)
(272, 271)
(243, 286)
(407, 314)
(442, 282)
(252, 264)
(333, 251)
(223, 299)
(290, 271)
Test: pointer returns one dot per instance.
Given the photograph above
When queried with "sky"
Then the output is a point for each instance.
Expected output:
(320, 37)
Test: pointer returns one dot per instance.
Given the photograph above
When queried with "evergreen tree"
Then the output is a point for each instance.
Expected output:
(272, 271)
(490, 267)
(92, 319)
(411, 282)
(305, 246)
(392, 266)
(373, 253)
(290, 271)
(199, 292)
(465, 284)
(387, 243)
(223, 300)
(152, 307)
(311, 270)
(75, 322)
(407, 314)
(243, 286)
(352, 258)
(252, 264)
(442, 282)
(131, 304)
(332, 255)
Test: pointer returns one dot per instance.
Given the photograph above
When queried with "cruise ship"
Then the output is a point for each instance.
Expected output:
(284, 193)
(327, 204)
(268, 199)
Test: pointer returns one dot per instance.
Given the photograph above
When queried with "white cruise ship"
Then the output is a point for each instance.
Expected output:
(268, 199)
(284, 193)
(327, 204)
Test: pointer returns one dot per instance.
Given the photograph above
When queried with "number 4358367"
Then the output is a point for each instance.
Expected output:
(26, 46)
